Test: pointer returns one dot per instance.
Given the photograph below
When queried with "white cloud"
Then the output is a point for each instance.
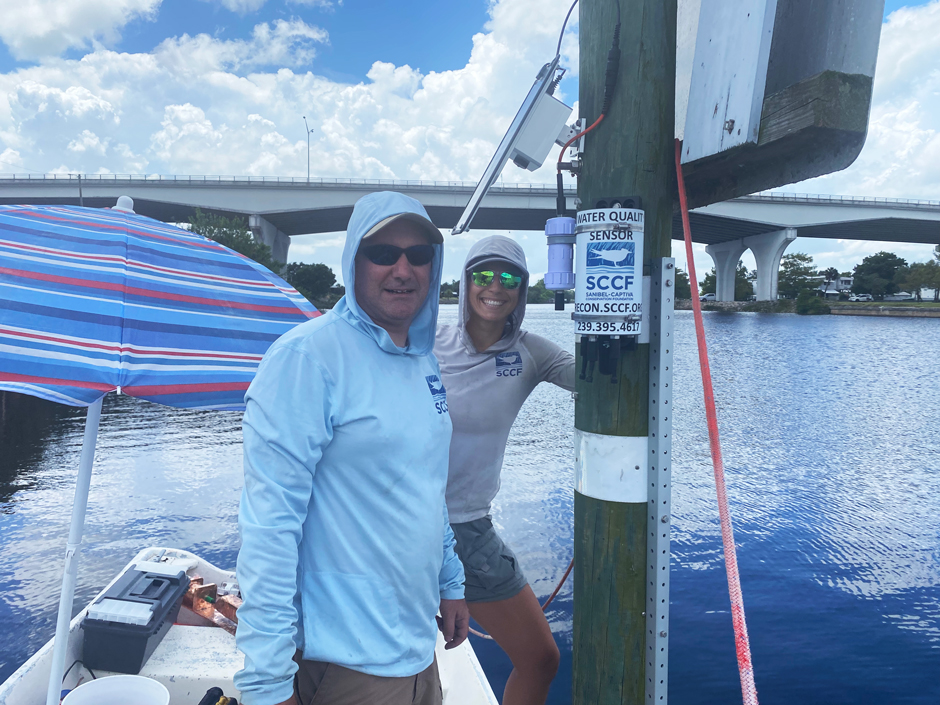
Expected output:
(240, 6)
(201, 104)
(35, 29)
(323, 4)
(88, 141)
(243, 7)
(11, 160)
(204, 105)
(281, 43)
(901, 156)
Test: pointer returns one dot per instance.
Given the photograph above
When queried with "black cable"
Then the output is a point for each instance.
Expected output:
(69, 669)
(570, 9)
(560, 201)
(560, 198)
(613, 67)
(555, 81)
(610, 83)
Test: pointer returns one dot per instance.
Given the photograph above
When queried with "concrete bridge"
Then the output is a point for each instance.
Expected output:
(278, 208)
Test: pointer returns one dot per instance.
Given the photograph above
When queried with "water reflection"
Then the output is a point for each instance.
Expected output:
(27, 424)
(833, 466)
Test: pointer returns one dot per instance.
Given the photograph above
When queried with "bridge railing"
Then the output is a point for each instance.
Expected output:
(273, 180)
(845, 200)
(301, 181)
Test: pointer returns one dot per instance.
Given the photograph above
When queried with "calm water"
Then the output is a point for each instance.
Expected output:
(832, 447)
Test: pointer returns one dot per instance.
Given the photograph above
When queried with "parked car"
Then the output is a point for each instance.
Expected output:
(861, 297)
(708, 297)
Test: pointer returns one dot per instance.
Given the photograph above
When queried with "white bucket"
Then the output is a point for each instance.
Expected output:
(119, 690)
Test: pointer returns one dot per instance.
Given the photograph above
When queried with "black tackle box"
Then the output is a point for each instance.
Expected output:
(129, 620)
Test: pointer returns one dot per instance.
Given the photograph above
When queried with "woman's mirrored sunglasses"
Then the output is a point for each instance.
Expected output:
(387, 255)
(484, 277)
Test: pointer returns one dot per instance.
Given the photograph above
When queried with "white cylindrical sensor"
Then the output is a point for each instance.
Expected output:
(561, 237)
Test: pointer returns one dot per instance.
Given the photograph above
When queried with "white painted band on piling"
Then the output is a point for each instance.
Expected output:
(611, 468)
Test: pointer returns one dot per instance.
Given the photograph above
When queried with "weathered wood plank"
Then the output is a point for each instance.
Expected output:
(814, 127)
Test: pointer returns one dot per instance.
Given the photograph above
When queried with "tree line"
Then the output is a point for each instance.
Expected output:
(315, 282)
(880, 274)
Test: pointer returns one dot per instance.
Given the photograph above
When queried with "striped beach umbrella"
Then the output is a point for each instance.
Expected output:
(93, 301)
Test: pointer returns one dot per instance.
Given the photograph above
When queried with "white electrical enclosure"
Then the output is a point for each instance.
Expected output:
(538, 134)
(609, 264)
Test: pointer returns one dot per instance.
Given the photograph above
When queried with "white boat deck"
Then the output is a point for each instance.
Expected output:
(193, 658)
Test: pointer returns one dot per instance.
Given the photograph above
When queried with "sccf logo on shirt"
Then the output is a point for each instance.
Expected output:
(509, 364)
(438, 393)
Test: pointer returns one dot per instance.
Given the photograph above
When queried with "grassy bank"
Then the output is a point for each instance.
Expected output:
(912, 309)
(779, 306)
(892, 304)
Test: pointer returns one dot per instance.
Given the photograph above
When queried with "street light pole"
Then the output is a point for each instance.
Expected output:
(308, 131)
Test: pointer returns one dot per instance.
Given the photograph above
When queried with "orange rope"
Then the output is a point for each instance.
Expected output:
(742, 644)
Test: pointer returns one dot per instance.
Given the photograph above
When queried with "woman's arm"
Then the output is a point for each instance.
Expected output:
(554, 364)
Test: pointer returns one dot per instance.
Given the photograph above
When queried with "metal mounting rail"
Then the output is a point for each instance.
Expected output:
(661, 320)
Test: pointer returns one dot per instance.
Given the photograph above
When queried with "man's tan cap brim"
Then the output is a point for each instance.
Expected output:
(426, 226)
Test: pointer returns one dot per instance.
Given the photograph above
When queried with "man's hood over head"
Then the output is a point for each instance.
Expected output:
(369, 211)
(495, 247)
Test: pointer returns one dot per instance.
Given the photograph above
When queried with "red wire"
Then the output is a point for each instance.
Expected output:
(544, 607)
(742, 644)
(561, 154)
(558, 587)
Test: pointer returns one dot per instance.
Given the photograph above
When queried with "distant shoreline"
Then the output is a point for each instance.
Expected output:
(926, 309)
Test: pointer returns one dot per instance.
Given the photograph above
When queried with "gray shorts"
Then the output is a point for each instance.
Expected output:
(491, 568)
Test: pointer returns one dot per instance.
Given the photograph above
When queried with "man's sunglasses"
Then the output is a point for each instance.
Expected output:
(485, 278)
(387, 255)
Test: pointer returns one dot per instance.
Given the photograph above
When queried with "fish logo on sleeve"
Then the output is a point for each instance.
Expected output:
(438, 393)
(509, 364)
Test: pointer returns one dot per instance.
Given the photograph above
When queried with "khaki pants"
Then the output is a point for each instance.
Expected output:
(321, 683)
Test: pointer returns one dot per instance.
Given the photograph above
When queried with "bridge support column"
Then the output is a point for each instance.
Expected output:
(726, 256)
(768, 248)
(266, 232)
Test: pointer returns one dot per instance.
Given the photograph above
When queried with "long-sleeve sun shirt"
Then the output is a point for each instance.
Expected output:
(346, 548)
(487, 389)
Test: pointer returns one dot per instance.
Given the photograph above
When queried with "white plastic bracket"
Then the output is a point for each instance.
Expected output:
(569, 131)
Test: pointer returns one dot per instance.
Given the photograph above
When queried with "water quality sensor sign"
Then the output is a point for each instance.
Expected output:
(609, 261)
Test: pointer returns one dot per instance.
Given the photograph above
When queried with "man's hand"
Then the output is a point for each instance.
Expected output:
(454, 622)
(290, 701)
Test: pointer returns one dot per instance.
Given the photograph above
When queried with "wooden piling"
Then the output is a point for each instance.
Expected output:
(629, 154)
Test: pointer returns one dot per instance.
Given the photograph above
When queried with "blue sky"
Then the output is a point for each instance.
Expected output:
(219, 87)
(430, 36)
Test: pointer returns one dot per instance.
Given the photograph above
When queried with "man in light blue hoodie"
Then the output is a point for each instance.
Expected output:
(347, 553)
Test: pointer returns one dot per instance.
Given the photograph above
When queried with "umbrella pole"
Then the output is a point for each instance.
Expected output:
(82, 484)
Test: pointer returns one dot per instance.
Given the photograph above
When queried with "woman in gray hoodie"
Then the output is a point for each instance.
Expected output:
(489, 366)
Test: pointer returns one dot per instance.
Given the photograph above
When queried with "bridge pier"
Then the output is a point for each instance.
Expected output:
(768, 248)
(265, 231)
(726, 256)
